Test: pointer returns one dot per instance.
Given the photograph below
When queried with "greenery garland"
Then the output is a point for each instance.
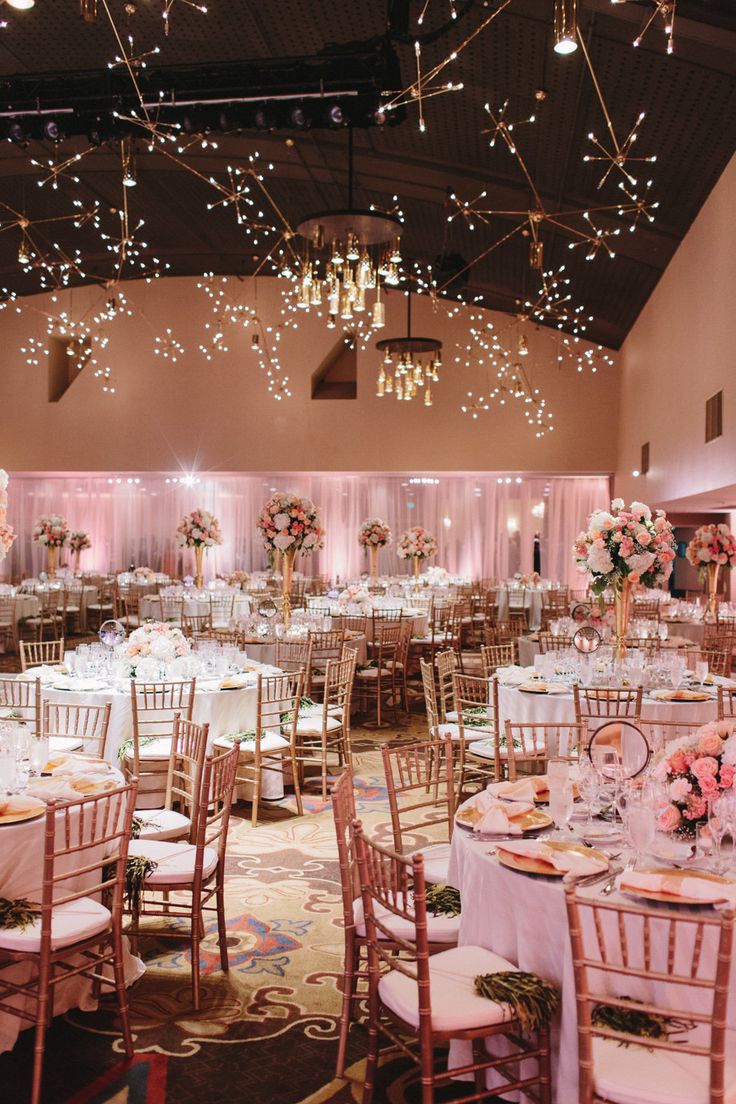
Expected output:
(304, 703)
(443, 900)
(248, 737)
(19, 913)
(127, 745)
(137, 869)
(533, 1000)
(634, 1021)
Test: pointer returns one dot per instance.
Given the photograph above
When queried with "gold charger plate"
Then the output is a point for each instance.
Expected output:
(36, 810)
(528, 822)
(674, 898)
(529, 864)
(682, 696)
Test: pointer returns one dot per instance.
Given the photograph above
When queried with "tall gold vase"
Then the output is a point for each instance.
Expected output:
(76, 562)
(712, 611)
(287, 567)
(373, 550)
(51, 569)
(198, 560)
(622, 609)
(417, 566)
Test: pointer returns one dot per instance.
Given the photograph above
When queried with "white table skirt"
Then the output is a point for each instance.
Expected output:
(28, 605)
(150, 606)
(526, 708)
(691, 630)
(523, 918)
(266, 652)
(21, 871)
(514, 601)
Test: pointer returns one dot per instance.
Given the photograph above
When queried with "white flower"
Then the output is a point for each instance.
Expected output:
(147, 669)
(601, 519)
(640, 561)
(309, 540)
(729, 751)
(161, 647)
(281, 521)
(283, 541)
(617, 504)
(599, 561)
(641, 508)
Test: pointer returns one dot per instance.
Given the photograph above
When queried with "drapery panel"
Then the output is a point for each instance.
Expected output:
(484, 522)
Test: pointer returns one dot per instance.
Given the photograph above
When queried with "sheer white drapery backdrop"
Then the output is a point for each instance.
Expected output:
(484, 522)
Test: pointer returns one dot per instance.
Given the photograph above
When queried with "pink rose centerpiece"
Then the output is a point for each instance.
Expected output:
(154, 651)
(623, 547)
(695, 770)
(290, 524)
(416, 544)
(7, 533)
(79, 541)
(53, 531)
(713, 547)
(355, 601)
(199, 530)
(372, 535)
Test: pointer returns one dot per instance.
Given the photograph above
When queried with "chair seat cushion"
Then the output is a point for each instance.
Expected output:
(65, 743)
(436, 862)
(163, 824)
(455, 1004)
(486, 749)
(640, 1076)
(158, 750)
(440, 929)
(451, 730)
(270, 742)
(372, 672)
(175, 861)
(70, 923)
(310, 726)
(477, 720)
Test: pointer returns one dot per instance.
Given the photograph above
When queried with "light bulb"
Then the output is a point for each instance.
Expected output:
(379, 316)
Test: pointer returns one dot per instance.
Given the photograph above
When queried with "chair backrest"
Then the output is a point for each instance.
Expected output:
(172, 609)
(350, 623)
(279, 697)
(386, 641)
(186, 764)
(22, 699)
(594, 701)
(550, 642)
(446, 663)
(493, 656)
(85, 855)
(338, 688)
(293, 655)
(155, 706)
(89, 722)
(726, 703)
(532, 745)
(343, 812)
(213, 815)
(431, 697)
(646, 608)
(8, 603)
(659, 733)
(35, 652)
(326, 645)
(421, 790)
(472, 694)
(679, 964)
(221, 608)
(197, 624)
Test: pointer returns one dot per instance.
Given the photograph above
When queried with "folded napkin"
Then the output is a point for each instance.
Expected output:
(236, 681)
(71, 787)
(500, 818)
(46, 674)
(514, 675)
(677, 884)
(539, 687)
(564, 859)
(16, 804)
(525, 789)
(72, 765)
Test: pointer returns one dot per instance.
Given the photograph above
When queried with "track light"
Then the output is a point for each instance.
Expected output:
(566, 26)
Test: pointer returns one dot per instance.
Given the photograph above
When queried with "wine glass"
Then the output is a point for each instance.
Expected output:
(640, 824)
(701, 671)
(561, 800)
(589, 787)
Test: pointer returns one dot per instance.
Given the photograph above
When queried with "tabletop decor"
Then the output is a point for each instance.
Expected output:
(53, 531)
(79, 541)
(621, 548)
(289, 524)
(199, 530)
(533, 999)
(152, 650)
(713, 547)
(355, 600)
(696, 770)
(416, 544)
(372, 535)
(7, 533)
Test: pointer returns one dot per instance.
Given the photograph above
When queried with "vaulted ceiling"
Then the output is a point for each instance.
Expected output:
(689, 98)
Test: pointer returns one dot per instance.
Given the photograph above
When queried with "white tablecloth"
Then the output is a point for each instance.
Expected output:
(28, 605)
(528, 648)
(526, 708)
(21, 872)
(266, 652)
(150, 606)
(691, 630)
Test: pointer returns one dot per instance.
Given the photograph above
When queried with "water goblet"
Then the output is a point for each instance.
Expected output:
(561, 801)
(701, 671)
(640, 825)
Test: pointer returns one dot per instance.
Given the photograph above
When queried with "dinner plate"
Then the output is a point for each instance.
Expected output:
(672, 898)
(532, 821)
(36, 810)
(681, 695)
(543, 688)
(529, 864)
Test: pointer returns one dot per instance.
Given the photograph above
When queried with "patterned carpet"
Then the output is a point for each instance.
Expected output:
(267, 1032)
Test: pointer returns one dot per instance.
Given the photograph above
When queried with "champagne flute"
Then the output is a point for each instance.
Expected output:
(701, 671)
(589, 785)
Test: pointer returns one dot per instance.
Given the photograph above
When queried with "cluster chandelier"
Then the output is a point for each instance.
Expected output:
(345, 254)
(410, 364)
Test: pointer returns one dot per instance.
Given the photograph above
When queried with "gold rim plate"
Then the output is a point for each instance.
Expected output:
(528, 864)
(676, 899)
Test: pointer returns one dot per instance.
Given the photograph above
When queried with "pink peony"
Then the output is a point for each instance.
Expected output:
(696, 807)
(726, 775)
(669, 819)
(710, 743)
(704, 766)
(679, 789)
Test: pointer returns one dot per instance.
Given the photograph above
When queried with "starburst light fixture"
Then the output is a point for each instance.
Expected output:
(410, 364)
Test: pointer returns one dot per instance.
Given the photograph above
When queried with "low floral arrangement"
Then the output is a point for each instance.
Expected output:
(437, 576)
(153, 647)
(626, 544)
(712, 544)
(355, 598)
(374, 533)
(51, 530)
(416, 543)
(144, 574)
(696, 769)
(198, 528)
(79, 541)
(238, 579)
(290, 523)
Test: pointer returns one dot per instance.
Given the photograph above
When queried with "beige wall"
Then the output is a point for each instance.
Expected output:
(681, 351)
(218, 416)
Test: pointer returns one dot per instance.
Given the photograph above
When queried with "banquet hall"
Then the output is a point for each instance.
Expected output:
(367, 517)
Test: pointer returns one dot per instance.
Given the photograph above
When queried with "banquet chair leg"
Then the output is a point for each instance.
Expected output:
(480, 1075)
(222, 929)
(297, 786)
(122, 995)
(372, 1058)
(39, 1045)
(195, 940)
(256, 800)
(545, 1076)
(352, 955)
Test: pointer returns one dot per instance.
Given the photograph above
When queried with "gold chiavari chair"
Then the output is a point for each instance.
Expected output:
(189, 876)
(48, 618)
(197, 625)
(551, 642)
(530, 746)
(172, 609)
(494, 656)
(102, 608)
(651, 645)
(678, 966)
(155, 706)
(222, 636)
(221, 609)
(647, 609)
(421, 789)
(73, 727)
(72, 607)
(442, 930)
(659, 733)
(350, 623)
(429, 1000)
(35, 653)
(718, 659)
(326, 645)
(175, 818)
(474, 723)
(294, 656)
(445, 663)
(20, 700)
(130, 608)
(74, 934)
(324, 733)
(726, 704)
(377, 680)
(593, 703)
(9, 622)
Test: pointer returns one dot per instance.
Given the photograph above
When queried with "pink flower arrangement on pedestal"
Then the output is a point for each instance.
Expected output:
(51, 530)
(7, 533)
(374, 533)
(626, 544)
(79, 541)
(696, 770)
(198, 528)
(289, 523)
(416, 544)
(712, 544)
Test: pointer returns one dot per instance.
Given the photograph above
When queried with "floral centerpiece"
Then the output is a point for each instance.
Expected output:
(416, 544)
(199, 530)
(437, 576)
(372, 535)
(713, 547)
(355, 600)
(153, 650)
(289, 524)
(696, 769)
(78, 542)
(7, 533)
(53, 531)
(623, 547)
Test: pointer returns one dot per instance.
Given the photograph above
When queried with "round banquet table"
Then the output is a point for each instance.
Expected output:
(28, 605)
(264, 651)
(21, 873)
(692, 631)
(419, 618)
(528, 646)
(523, 707)
(523, 918)
(199, 606)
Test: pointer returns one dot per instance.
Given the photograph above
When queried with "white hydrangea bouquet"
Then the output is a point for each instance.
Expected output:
(153, 650)
(626, 543)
